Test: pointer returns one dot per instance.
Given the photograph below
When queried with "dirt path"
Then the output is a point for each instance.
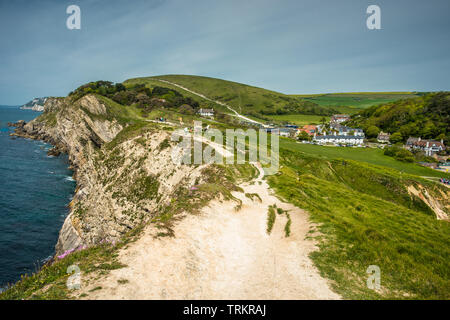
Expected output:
(215, 101)
(221, 254)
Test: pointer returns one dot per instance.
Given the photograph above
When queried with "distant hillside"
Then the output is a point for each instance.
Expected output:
(37, 104)
(427, 116)
(353, 102)
(245, 99)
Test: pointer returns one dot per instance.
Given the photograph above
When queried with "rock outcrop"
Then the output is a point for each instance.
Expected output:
(436, 200)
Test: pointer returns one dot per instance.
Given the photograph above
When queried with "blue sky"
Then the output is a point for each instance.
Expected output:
(298, 46)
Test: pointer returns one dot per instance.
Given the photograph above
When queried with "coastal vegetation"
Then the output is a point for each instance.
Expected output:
(138, 95)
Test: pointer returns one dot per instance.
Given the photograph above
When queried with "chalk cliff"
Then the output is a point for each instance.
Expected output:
(123, 170)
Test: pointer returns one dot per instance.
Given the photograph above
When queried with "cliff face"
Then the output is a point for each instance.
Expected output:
(124, 172)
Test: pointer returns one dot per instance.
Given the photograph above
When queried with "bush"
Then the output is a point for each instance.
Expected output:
(372, 131)
(396, 137)
(186, 109)
(399, 154)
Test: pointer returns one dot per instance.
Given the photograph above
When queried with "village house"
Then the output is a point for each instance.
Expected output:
(410, 142)
(383, 137)
(342, 130)
(283, 132)
(339, 118)
(430, 147)
(206, 112)
(309, 129)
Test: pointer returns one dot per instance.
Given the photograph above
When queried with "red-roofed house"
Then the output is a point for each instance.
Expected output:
(309, 129)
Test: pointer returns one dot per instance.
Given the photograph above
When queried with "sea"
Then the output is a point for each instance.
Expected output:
(35, 190)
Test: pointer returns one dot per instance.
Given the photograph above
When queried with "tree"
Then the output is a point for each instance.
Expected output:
(396, 137)
(303, 136)
(372, 131)
(441, 136)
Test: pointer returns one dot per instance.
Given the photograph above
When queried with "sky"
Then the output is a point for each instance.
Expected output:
(290, 46)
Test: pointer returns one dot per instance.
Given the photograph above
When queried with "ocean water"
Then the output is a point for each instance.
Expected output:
(34, 192)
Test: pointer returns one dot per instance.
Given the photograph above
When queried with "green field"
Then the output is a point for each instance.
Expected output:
(368, 155)
(299, 119)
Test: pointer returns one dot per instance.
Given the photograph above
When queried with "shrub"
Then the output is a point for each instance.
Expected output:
(399, 153)
(271, 216)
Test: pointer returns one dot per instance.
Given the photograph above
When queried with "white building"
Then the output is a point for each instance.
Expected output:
(283, 132)
(346, 131)
(430, 147)
(339, 118)
(206, 112)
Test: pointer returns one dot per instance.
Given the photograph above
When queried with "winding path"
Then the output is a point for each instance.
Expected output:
(212, 100)
(222, 253)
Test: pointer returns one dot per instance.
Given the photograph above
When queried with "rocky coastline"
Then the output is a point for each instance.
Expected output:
(118, 187)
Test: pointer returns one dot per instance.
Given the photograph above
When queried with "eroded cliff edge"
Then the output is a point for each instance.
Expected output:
(123, 169)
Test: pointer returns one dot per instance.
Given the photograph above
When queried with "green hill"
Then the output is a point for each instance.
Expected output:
(353, 102)
(245, 99)
(270, 105)
(427, 116)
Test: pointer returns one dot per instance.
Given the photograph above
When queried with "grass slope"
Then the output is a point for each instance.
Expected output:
(366, 217)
